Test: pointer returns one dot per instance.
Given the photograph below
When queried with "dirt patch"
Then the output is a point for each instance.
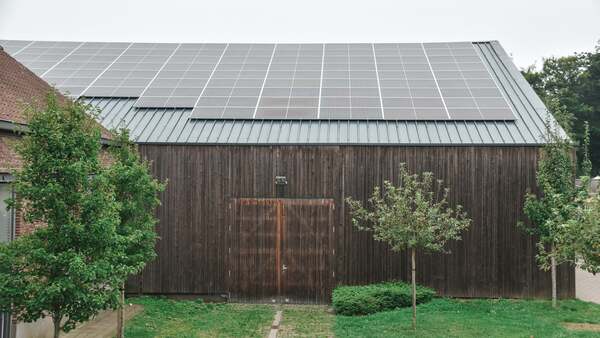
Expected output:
(582, 327)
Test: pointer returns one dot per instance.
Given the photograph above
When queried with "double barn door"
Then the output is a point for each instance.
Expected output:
(281, 250)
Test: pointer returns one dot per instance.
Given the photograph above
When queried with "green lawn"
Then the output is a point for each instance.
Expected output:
(475, 318)
(440, 318)
(163, 317)
(306, 321)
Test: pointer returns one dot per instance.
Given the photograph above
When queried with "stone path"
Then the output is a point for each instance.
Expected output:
(275, 325)
(104, 325)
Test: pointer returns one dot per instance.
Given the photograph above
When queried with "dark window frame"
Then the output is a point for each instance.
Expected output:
(7, 329)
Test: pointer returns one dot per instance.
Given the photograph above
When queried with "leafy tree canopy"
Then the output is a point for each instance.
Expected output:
(137, 193)
(65, 268)
(414, 214)
(574, 81)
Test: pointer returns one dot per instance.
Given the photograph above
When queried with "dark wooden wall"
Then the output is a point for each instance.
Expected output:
(494, 259)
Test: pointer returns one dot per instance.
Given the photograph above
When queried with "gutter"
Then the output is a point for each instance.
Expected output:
(14, 127)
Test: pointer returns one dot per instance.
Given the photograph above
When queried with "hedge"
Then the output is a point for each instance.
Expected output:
(367, 299)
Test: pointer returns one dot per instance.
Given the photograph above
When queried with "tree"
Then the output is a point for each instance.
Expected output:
(64, 269)
(557, 203)
(586, 162)
(587, 237)
(577, 239)
(414, 215)
(575, 82)
(137, 193)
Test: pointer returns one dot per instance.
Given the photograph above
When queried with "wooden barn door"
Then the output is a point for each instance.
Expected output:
(281, 250)
(253, 244)
(307, 255)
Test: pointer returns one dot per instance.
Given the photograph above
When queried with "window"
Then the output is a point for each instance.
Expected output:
(6, 234)
(6, 216)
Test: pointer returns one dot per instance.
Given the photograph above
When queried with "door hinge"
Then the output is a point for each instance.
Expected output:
(229, 250)
(333, 273)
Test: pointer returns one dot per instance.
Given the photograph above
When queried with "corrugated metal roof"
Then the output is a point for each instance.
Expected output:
(174, 126)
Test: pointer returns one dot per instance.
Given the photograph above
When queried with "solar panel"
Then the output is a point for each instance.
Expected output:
(390, 81)
(470, 92)
(350, 85)
(235, 84)
(291, 85)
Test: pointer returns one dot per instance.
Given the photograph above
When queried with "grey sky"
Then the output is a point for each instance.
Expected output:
(529, 30)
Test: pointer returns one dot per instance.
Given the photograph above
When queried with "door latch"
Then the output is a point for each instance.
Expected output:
(284, 268)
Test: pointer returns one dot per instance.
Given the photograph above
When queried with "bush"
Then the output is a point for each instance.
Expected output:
(367, 299)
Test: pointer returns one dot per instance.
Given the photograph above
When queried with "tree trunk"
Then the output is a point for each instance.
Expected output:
(553, 273)
(120, 317)
(414, 289)
(56, 321)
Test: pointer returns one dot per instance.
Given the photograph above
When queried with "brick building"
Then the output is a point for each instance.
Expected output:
(19, 87)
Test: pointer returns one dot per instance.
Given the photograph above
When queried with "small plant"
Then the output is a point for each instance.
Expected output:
(367, 299)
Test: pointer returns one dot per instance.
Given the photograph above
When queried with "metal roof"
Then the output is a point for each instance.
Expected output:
(165, 125)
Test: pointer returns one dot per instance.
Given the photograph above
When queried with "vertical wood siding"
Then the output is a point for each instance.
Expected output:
(494, 259)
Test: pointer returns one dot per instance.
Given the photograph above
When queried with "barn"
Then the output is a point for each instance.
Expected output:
(261, 144)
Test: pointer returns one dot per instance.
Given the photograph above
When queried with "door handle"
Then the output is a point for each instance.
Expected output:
(284, 268)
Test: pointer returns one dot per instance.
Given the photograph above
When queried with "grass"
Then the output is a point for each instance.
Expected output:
(441, 317)
(306, 321)
(475, 318)
(164, 317)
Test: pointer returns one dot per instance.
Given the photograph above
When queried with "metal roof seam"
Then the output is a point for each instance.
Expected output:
(512, 98)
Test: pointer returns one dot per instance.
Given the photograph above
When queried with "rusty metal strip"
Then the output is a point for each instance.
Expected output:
(278, 246)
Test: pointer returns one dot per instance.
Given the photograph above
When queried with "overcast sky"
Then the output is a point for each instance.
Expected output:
(528, 29)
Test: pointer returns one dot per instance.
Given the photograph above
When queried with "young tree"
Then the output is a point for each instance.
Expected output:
(587, 240)
(577, 240)
(586, 162)
(414, 215)
(557, 203)
(137, 193)
(64, 269)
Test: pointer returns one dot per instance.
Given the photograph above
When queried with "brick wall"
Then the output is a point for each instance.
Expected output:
(10, 160)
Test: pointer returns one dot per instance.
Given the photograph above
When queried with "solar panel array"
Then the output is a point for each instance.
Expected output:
(403, 81)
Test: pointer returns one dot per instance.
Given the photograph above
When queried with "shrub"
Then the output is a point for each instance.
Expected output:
(367, 299)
